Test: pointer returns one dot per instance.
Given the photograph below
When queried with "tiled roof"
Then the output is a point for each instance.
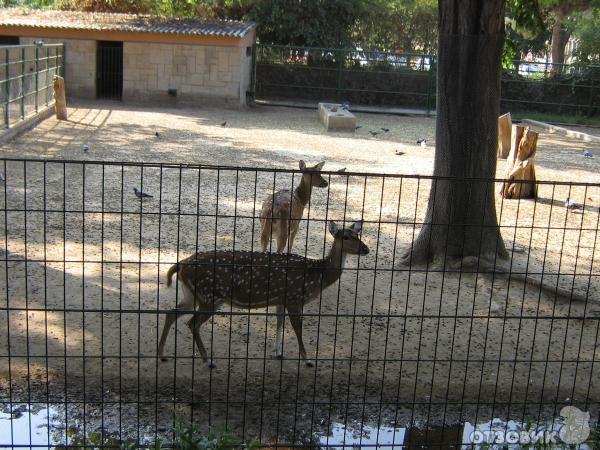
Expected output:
(76, 20)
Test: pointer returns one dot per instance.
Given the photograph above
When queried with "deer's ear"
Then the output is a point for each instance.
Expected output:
(333, 228)
(357, 227)
(302, 165)
(320, 165)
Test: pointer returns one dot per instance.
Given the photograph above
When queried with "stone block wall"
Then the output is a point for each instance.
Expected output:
(200, 74)
(80, 58)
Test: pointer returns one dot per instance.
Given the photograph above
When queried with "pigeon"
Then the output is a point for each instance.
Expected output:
(346, 105)
(157, 134)
(139, 194)
(357, 127)
(385, 130)
(343, 169)
(2, 179)
(86, 148)
(223, 124)
(570, 204)
(373, 133)
(38, 43)
(587, 154)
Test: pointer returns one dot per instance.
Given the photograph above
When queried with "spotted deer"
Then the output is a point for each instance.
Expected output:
(257, 280)
(281, 212)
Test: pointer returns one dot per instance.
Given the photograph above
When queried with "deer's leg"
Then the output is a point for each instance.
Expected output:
(265, 234)
(187, 304)
(204, 313)
(293, 230)
(279, 338)
(282, 235)
(296, 320)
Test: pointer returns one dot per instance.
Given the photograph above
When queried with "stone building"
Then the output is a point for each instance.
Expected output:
(142, 58)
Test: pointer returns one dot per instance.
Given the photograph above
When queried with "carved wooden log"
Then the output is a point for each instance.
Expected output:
(504, 135)
(60, 99)
(522, 157)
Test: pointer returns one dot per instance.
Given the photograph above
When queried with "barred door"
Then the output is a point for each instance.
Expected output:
(109, 70)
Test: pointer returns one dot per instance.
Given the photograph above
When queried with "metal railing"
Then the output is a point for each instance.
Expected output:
(407, 80)
(26, 75)
(429, 355)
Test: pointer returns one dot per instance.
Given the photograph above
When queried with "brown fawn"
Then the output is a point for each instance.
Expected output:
(281, 212)
(257, 280)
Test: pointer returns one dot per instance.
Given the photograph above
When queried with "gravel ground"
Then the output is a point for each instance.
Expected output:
(389, 345)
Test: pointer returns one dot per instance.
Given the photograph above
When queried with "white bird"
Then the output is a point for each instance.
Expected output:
(570, 204)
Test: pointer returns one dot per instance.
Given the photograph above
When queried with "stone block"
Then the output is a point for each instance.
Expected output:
(334, 118)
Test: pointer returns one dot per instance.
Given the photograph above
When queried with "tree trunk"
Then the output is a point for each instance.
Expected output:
(504, 135)
(60, 100)
(461, 220)
(522, 157)
(560, 38)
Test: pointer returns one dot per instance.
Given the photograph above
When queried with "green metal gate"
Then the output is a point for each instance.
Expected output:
(26, 75)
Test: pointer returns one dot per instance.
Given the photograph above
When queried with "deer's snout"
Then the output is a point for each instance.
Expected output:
(323, 184)
(363, 249)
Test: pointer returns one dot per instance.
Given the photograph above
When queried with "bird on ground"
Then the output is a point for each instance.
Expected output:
(373, 133)
(422, 142)
(223, 124)
(570, 204)
(357, 127)
(140, 194)
(86, 148)
(385, 130)
(587, 154)
(157, 134)
(399, 153)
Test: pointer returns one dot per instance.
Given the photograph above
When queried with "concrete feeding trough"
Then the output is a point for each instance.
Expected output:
(335, 118)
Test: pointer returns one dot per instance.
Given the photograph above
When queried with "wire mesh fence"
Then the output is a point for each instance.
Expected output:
(26, 75)
(408, 80)
(398, 354)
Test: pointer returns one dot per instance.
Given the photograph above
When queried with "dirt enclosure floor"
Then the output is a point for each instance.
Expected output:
(83, 275)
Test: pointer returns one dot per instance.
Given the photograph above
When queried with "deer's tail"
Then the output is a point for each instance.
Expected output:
(173, 269)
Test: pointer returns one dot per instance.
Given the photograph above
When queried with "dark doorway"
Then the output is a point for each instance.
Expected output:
(9, 40)
(109, 70)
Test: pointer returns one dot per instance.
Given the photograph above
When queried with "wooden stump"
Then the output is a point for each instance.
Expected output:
(60, 99)
(522, 157)
(504, 135)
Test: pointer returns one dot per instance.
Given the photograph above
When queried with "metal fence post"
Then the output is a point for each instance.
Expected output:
(339, 64)
(22, 82)
(430, 84)
(592, 80)
(37, 78)
(253, 73)
(7, 85)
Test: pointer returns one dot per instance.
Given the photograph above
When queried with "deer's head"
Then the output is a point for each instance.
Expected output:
(311, 175)
(349, 238)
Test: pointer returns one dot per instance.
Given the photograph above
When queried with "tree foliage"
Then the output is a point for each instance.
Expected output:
(409, 25)
(316, 23)
(587, 31)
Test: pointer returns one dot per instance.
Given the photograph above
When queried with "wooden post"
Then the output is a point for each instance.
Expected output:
(504, 135)
(522, 157)
(60, 98)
